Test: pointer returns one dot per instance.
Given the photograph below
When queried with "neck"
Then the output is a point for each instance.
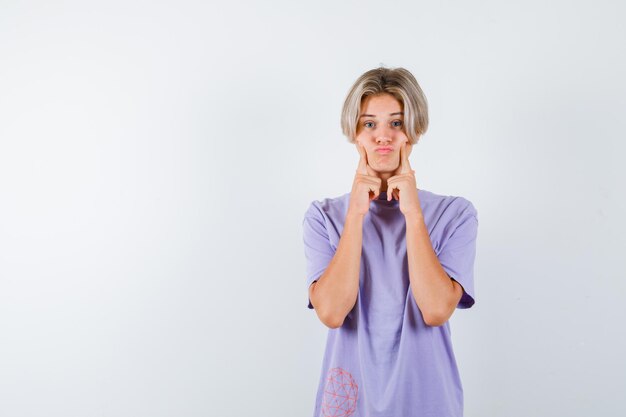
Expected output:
(384, 176)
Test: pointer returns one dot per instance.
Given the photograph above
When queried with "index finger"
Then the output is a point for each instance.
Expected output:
(362, 168)
(405, 150)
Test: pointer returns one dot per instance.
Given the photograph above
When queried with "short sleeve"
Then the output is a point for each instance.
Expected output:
(317, 248)
(459, 252)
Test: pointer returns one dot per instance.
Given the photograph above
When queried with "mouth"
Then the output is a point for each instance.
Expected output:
(384, 150)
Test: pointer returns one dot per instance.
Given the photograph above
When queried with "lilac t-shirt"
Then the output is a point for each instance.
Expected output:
(384, 361)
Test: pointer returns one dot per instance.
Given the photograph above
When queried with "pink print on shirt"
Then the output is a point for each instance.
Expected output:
(340, 394)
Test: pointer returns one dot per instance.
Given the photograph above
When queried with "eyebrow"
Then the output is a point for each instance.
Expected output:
(373, 115)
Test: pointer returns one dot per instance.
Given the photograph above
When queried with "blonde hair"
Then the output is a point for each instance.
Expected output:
(398, 82)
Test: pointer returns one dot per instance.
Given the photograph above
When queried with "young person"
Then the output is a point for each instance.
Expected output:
(387, 265)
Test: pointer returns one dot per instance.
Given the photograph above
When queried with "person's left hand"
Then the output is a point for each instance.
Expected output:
(402, 185)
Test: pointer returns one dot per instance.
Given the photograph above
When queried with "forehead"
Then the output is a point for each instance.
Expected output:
(380, 105)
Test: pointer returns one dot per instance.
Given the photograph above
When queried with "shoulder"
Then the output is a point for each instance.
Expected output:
(329, 207)
(453, 204)
(447, 212)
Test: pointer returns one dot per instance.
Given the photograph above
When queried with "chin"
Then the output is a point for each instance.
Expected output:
(386, 168)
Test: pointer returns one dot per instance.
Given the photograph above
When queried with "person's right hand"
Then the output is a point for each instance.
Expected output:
(365, 187)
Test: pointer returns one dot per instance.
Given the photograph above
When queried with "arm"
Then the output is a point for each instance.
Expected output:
(435, 293)
(334, 294)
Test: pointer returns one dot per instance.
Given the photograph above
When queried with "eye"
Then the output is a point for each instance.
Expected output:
(368, 123)
(397, 123)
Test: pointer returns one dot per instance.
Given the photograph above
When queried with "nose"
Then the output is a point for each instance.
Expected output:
(384, 136)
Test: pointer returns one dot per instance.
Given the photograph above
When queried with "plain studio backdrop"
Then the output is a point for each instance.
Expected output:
(157, 158)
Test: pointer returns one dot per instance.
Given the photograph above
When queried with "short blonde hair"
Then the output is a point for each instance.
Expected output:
(398, 82)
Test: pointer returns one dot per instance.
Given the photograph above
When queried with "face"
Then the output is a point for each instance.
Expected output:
(381, 125)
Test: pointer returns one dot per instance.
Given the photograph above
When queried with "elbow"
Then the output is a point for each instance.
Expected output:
(435, 319)
(331, 321)
(335, 324)
(325, 312)
(439, 316)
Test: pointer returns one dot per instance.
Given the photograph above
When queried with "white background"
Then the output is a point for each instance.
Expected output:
(157, 158)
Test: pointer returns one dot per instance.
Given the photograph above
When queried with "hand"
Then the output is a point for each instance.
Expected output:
(366, 185)
(402, 185)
